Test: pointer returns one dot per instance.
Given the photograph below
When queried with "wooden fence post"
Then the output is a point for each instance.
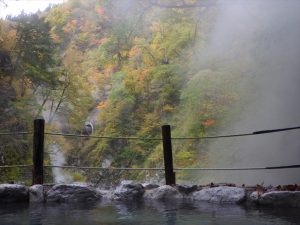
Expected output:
(168, 159)
(38, 151)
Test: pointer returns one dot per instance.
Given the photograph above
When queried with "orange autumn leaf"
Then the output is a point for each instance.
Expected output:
(100, 10)
(74, 22)
(110, 68)
(209, 122)
(56, 38)
(135, 50)
(66, 29)
(102, 105)
(144, 74)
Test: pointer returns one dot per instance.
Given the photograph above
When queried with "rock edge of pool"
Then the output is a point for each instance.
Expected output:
(286, 196)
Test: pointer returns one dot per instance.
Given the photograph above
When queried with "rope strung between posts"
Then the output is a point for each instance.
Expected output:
(156, 139)
(15, 133)
(101, 137)
(178, 169)
(15, 166)
(244, 168)
(238, 135)
(99, 168)
(177, 138)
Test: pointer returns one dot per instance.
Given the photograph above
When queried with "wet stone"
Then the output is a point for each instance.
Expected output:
(163, 193)
(150, 186)
(128, 191)
(277, 198)
(36, 193)
(72, 193)
(222, 194)
(13, 193)
(186, 189)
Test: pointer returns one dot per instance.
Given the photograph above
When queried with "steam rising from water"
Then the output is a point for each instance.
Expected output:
(262, 37)
(57, 158)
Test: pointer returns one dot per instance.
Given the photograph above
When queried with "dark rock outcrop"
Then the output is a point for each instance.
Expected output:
(13, 193)
(72, 193)
(163, 193)
(186, 189)
(150, 186)
(277, 198)
(222, 194)
(128, 191)
(36, 193)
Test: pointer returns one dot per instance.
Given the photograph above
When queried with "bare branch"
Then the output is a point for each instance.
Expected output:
(61, 100)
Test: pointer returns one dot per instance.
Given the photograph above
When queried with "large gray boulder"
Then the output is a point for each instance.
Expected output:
(72, 193)
(13, 193)
(36, 193)
(149, 186)
(222, 194)
(163, 193)
(277, 198)
(128, 191)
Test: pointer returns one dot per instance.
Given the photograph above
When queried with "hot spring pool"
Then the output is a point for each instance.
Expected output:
(153, 213)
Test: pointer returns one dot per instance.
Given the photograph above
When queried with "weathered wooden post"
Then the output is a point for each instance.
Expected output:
(38, 151)
(168, 159)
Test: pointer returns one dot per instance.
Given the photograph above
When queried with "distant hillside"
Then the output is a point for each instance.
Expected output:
(131, 65)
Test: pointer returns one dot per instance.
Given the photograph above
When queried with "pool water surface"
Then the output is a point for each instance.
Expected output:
(145, 213)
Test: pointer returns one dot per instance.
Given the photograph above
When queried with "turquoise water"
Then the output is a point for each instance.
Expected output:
(145, 214)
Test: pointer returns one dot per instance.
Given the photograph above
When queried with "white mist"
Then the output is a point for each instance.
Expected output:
(57, 159)
(263, 37)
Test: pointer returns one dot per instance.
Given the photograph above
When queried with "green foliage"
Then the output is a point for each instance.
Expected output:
(78, 177)
(58, 16)
(35, 51)
(206, 99)
(14, 149)
(165, 85)
(128, 60)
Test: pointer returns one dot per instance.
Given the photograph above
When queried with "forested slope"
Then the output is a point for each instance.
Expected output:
(137, 64)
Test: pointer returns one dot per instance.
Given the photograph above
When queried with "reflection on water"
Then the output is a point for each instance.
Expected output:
(145, 213)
